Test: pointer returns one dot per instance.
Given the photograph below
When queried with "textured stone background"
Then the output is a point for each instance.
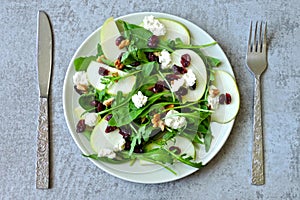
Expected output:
(226, 177)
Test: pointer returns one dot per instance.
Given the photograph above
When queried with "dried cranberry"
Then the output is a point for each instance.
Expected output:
(94, 103)
(108, 117)
(119, 40)
(177, 149)
(135, 64)
(100, 107)
(158, 87)
(125, 132)
(172, 77)
(179, 70)
(193, 87)
(110, 129)
(181, 91)
(127, 145)
(153, 41)
(151, 57)
(222, 99)
(138, 149)
(103, 72)
(185, 60)
(80, 126)
(228, 98)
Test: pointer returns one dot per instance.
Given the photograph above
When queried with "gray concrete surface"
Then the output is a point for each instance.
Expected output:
(227, 176)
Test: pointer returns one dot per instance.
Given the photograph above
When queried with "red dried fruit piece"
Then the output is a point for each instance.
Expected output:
(222, 98)
(153, 41)
(110, 129)
(119, 40)
(179, 70)
(177, 149)
(228, 98)
(80, 126)
(103, 72)
(185, 60)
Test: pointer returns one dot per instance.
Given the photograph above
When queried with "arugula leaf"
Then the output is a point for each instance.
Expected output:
(82, 63)
(207, 140)
(147, 68)
(137, 111)
(108, 160)
(120, 116)
(107, 62)
(139, 36)
(214, 61)
(87, 134)
(145, 131)
(169, 134)
(185, 159)
(99, 50)
(85, 101)
(123, 25)
(101, 95)
(133, 144)
(157, 155)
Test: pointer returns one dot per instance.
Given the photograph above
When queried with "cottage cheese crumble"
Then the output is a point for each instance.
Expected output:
(120, 145)
(213, 98)
(165, 59)
(176, 84)
(105, 152)
(80, 78)
(174, 122)
(189, 77)
(153, 25)
(139, 99)
(91, 119)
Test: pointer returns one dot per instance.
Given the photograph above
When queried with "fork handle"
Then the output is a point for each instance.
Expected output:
(258, 176)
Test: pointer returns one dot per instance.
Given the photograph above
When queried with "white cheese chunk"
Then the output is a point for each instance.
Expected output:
(139, 99)
(91, 119)
(105, 152)
(189, 77)
(176, 84)
(153, 25)
(120, 145)
(175, 122)
(165, 59)
(213, 98)
(80, 78)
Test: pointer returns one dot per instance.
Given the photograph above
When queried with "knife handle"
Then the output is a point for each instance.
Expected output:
(42, 165)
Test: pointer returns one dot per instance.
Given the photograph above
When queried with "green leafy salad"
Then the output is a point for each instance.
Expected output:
(149, 95)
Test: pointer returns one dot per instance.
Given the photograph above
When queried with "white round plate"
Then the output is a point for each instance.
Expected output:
(136, 172)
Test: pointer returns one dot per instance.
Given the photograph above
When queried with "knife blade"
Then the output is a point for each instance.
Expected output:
(44, 65)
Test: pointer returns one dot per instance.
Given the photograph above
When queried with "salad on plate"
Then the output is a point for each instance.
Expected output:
(149, 95)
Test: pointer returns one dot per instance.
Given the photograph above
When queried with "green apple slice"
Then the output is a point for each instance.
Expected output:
(124, 85)
(99, 139)
(198, 67)
(226, 84)
(79, 111)
(108, 35)
(175, 30)
(184, 144)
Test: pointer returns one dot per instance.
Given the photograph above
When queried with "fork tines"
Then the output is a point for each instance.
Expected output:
(260, 44)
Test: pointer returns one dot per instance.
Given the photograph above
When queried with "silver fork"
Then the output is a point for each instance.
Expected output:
(257, 64)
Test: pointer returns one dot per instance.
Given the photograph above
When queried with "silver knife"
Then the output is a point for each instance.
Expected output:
(44, 62)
